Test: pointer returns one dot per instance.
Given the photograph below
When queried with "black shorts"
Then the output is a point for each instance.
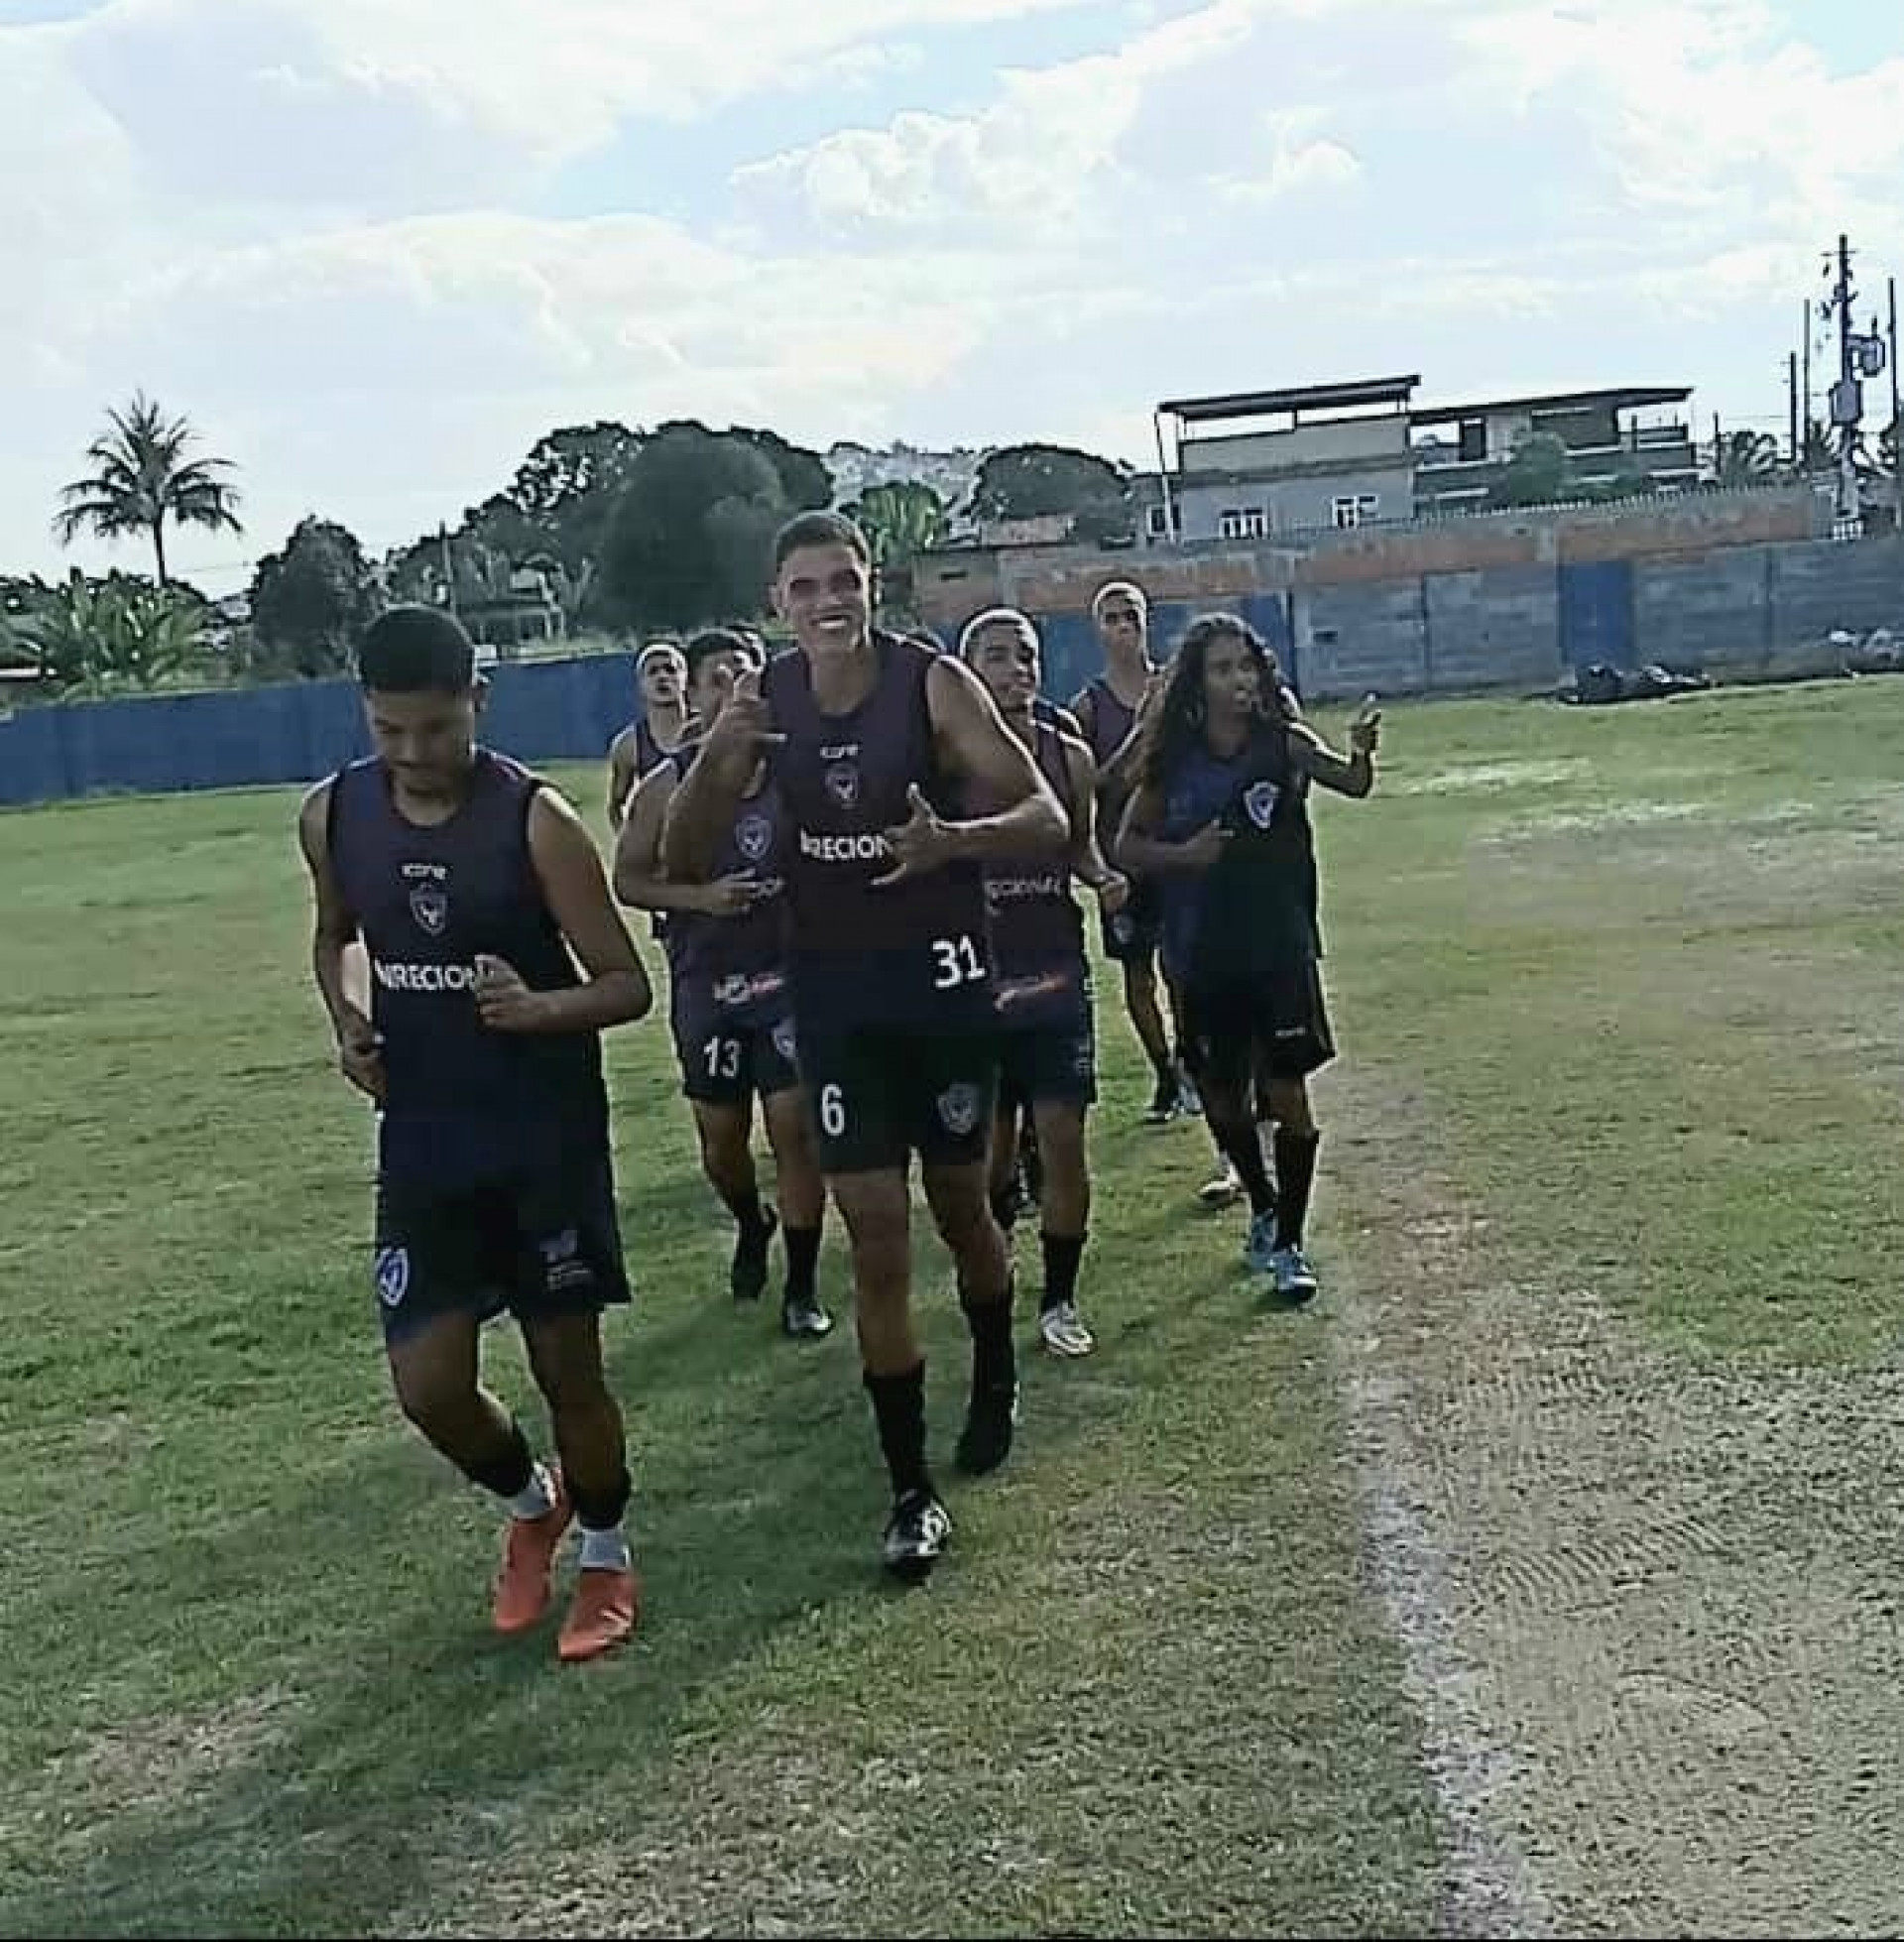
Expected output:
(1134, 934)
(1276, 1028)
(1049, 1064)
(879, 1096)
(534, 1246)
(724, 1063)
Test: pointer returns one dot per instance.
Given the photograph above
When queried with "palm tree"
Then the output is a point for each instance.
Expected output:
(142, 477)
(901, 519)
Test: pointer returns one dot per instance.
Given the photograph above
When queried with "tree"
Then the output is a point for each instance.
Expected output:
(901, 519)
(308, 602)
(806, 481)
(143, 477)
(1535, 475)
(93, 637)
(690, 532)
(1746, 459)
(1023, 482)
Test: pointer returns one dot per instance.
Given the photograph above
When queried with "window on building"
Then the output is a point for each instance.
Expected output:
(1474, 440)
(1157, 521)
(1355, 508)
(1244, 523)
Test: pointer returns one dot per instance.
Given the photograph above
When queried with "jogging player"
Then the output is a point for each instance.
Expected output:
(1047, 1048)
(660, 673)
(1105, 711)
(871, 739)
(497, 958)
(1219, 818)
(731, 1004)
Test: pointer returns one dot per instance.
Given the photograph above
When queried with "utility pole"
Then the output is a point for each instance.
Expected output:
(1795, 428)
(1847, 396)
(450, 568)
(1805, 351)
(1897, 424)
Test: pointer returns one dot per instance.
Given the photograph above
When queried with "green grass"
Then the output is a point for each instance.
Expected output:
(1633, 969)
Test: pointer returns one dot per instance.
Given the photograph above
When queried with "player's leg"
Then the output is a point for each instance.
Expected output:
(1296, 1142)
(954, 1095)
(855, 1087)
(1221, 1047)
(798, 1182)
(568, 1269)
(1225, 1188)
(437, 1286)
(1063, 1090)
(715, 1077)
(1131, 940)
(1005, 1172)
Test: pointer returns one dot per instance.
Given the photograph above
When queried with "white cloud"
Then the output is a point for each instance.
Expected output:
(306, 225)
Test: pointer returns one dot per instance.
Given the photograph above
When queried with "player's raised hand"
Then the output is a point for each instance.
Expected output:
(921, 843)
(1113, 894)
(1365, 732)
(744, 729)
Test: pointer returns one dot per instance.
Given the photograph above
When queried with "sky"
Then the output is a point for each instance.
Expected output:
(373, 248)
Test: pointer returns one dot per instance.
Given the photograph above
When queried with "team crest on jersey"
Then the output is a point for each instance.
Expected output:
(753, 838)
(959, 1109)
(843, 784)
(784, 1042)
(1259, 802)
(390, 1270)
(430, 905)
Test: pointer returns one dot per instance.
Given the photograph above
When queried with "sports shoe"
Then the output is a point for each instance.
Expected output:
(990, 1417)
(1063, 1333)
(803, 1318)
(747, 1277)
(1259, 1251)
(916, 1535)
(1295, 1279)
(1165, 1102)
(602, 1616)
(524, 1583)
(1223, 1192)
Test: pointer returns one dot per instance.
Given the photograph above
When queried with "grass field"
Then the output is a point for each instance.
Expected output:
(1606, 1218)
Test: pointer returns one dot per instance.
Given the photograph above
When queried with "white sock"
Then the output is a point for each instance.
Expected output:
(605, 1550)
(538, 1500)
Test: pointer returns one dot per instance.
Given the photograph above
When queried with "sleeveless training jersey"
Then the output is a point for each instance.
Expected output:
(914, 956)
(1037, 930)
(733, 970)
(462, 1103)
(1251, 911)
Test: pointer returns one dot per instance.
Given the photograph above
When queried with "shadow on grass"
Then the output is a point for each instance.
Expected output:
(412, 1734)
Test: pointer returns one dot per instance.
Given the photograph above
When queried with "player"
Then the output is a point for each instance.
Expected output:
(1048, 1056)
(732, 1008)
(869, 738)
(496, 959)
(1105, 711)
(661, 673)
(1219, 818)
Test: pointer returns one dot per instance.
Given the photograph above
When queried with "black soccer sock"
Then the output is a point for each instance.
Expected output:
(994, 1362)
(899, 1408)
(1241, 1146)
(507, 1471)
(802, 1260)
(747, 1210)
(1005, 1204)
(601, 1511)
(1296, 1174)
(1062, 1252)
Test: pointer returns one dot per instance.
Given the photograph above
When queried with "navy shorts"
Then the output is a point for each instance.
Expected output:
(1276, 1028)
(879, 1096)
(533, 1246)
(1049, 1064)
(725, 1061)
(1134, 934)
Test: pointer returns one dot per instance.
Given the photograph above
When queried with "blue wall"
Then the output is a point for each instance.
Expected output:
(542, 711)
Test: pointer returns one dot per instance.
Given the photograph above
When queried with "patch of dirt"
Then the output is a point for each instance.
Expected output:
(1650, 1607)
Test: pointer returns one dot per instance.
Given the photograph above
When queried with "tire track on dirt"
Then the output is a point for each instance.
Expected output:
(1650, 1605)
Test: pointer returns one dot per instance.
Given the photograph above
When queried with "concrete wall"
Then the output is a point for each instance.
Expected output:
(1297, 504)
(1384, 439)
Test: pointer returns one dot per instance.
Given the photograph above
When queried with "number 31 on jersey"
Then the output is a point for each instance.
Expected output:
(955, 962)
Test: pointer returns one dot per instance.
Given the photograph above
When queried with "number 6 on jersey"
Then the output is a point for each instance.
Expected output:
(832, 1111)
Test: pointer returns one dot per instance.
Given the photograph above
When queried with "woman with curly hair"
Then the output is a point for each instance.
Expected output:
(1220, 818)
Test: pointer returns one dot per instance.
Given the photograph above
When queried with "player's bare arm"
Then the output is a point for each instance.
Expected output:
(710, 797)
(1350, 774)
(620, 776)
(641, 880)
(1142, 853)
(334, 928)
(973, 743)
(616, 988)
(1086, 855)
